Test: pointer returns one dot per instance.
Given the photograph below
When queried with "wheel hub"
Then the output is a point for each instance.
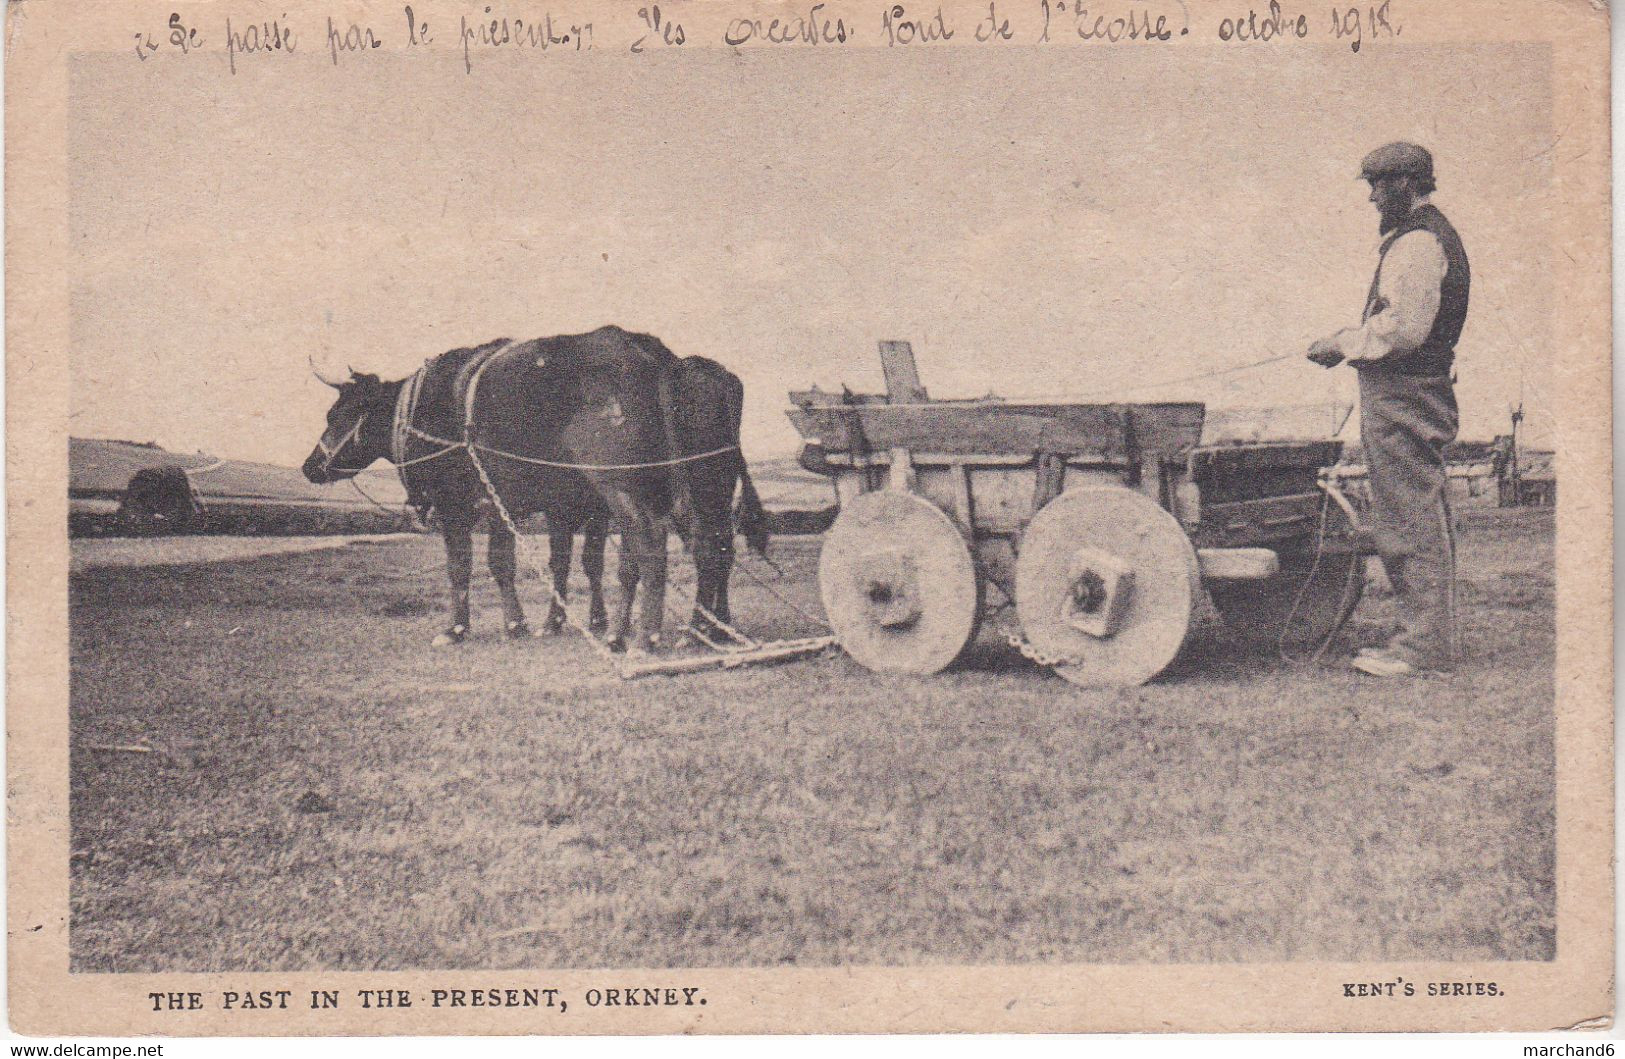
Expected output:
(1099, 587)
(888, 584)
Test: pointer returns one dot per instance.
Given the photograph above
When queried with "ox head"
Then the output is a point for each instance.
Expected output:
(358, 428)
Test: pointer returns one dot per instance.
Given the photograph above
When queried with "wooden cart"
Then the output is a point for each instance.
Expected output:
(1102, 523)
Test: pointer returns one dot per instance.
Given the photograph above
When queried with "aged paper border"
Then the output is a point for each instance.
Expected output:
(1574, 989)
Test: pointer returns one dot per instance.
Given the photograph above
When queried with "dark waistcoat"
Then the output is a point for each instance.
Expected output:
(1438, 351)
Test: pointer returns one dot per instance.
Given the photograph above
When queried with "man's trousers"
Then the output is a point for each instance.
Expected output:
(1405, 423)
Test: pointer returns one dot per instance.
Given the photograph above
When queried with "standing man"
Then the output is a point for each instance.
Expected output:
(1403, 350)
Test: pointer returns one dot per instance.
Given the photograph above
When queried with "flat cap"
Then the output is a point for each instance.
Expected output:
(1397, 159)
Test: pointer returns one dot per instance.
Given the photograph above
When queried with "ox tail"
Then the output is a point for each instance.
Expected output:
(749, 516)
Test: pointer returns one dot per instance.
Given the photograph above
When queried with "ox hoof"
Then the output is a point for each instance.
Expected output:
(451, 637)
(596, 625)
(519, 630)
(553, 625)
(617, 644)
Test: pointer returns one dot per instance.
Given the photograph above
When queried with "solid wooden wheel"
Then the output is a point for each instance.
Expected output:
(1106, 583)
(898, 584)
(1302, 604)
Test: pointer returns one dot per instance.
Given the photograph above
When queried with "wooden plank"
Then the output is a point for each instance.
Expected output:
(1047, 484)
(804, 423)
(1185, 500)
(1238, 564)
(964, 515)
(848, 487)
(902, 376)
(821, 398)
(1216, 462)
(1151, 481)
(999, 428)
(1250, 523)
(773, 652)
(1001, 497)
(901, 478)
(935, 459)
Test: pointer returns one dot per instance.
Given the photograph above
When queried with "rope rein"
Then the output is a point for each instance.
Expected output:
(448, 445)
(1356, 572)
(329, 454)
(355, 483)
(763, 584)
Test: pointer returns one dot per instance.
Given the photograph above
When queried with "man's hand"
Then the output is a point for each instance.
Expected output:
(1326, 353)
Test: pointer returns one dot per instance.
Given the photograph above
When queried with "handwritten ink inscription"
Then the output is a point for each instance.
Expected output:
(1139, 23)
(992, 27)
(660, 28)
(485, 28)
(813, 28)
(417, 33)
(267, 37)
(494, 32)
(1273, 26)
(180, 36)
(899, 28)
(352, 38)
(1374, 21)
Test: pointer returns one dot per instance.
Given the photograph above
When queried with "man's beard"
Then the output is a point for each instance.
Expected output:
(1392, 217)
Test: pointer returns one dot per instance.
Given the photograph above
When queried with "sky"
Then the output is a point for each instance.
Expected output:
(1039, 223)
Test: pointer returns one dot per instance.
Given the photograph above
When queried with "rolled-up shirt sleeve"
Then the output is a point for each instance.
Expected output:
(1407, 300)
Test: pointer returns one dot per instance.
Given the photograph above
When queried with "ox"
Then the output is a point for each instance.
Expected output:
(578, 428)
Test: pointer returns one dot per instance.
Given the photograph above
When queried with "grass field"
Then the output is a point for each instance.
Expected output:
(327, 792)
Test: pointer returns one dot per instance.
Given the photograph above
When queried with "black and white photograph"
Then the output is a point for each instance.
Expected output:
(984, 500)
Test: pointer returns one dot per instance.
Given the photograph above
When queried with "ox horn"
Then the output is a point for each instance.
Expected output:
(314, 370)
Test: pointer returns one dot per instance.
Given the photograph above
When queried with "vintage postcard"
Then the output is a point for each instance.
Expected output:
(576, 517)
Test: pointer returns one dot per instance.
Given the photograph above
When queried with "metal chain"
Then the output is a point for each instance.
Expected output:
(1033, 654)
(745, 643)
(741, 641)
(507, 520)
